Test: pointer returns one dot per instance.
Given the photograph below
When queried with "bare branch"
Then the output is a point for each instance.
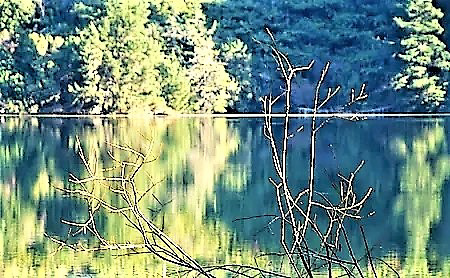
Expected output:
(298, 217)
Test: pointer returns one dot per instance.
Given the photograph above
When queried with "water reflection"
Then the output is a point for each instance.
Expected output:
(422, 178)
(214, 171)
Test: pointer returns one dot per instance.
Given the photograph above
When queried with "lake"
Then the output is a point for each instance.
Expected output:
(209, 174)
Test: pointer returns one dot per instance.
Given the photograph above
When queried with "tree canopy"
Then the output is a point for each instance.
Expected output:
(209, 56)
(112, 57)
(425, 54)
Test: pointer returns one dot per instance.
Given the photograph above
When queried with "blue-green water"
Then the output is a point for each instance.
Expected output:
(213, 171)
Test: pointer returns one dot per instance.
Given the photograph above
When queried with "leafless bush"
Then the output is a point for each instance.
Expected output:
(299, 210)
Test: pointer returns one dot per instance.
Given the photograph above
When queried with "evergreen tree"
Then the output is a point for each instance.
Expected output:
(120, 57)
(189, 43)
(13, 15)
(426, 57)
(150, 55)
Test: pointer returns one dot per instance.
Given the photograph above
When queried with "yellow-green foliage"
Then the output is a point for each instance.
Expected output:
(131, 63)
(186, 37)
(120, 55)
(423, 175)
(111, 56)
(425, 55)
(11, 82)
(201, 147)
(15, 13)
(46, 43)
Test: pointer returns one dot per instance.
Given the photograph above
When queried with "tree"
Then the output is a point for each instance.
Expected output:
(189, 43)
(151, 56)
(15, 13)
(356, 35)
(426, 57)
(120, 57)
(37, 58)
(11, 83)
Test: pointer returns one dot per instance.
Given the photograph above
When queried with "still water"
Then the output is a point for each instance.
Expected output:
(212, 171)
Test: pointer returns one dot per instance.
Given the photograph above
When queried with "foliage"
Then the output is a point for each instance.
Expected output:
(11, 83)
(206, 55)
(15, 14)
(426, 56)
(112, 57)
(38, 64)
(237, 58)
(119, 56)
(35, 72)
(445, 6)
(356, 36)
(187, 39)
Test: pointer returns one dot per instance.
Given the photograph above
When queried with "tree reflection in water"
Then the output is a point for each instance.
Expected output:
(425, 170)
(36, 153)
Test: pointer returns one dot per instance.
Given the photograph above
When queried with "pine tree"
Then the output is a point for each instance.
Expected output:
(121, 56)
(426, 57)
(189, 42)
(152, 56)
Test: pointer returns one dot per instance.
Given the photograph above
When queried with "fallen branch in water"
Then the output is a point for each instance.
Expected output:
(120, 181)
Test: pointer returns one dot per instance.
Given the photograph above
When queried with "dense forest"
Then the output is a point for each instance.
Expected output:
(211, 56)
